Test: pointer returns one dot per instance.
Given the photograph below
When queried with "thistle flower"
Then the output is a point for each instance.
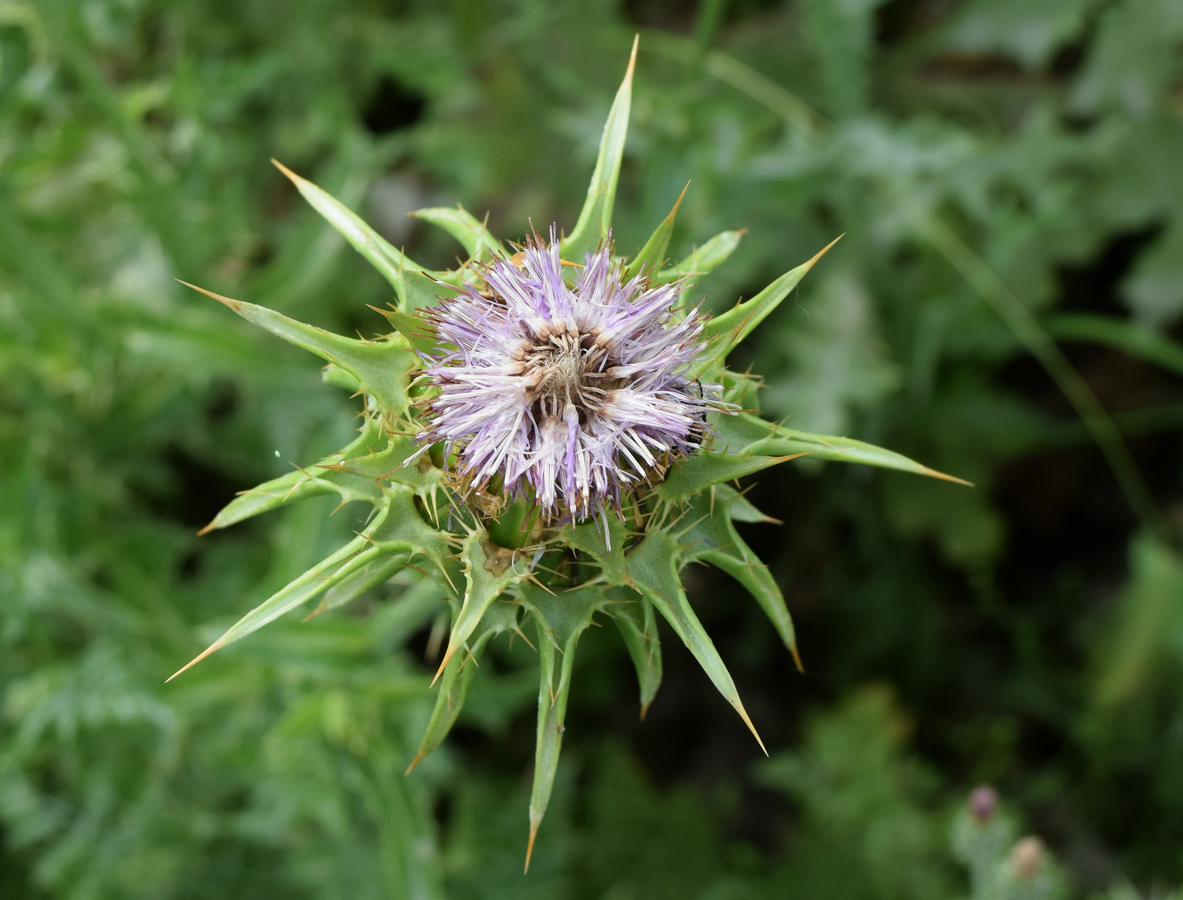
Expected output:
(570, 393)
(553, 398)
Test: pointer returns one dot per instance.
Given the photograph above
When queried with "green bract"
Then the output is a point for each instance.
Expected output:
(480, 552)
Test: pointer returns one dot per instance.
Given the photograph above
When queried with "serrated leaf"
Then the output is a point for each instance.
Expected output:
(596, 216)
(419, 333)
(704, 259)
(367, 578)
(653, 564)
(589, 538)
(560, 620)
(458, 673)
(308, 482)
(476, 239)
(405, 529)
(748, 434)
(381, 367)
(488, 570)
(268, 496)
(418, 290)
(393, 463)
(637, 623)
(652, 255)
(712, 538)
(334, 568)
(729, 329)
(693, 474)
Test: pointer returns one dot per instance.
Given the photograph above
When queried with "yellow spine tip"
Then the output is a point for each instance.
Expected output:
(632, 59)
(418, 758)
(530, 845)
(292, 176)
(443, 665)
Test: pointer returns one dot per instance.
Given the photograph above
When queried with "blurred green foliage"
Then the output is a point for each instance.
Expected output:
(1002, 171)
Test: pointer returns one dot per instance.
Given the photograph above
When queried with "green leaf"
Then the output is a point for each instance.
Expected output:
(1149, 620)
(419, 333)
(392, 264)
(652, 255)
(712, 538)
(654, 567)
(596, 216)
(466, 228)
(688, 476)
(743, 510)
(637, 623)
(353, 556)
(270, 495)
(728, 329)
(588, 537)
(381, 367)
(748, 434)
(420, 291)
(488, 570)
(1130, 337)
(391, 464)
(367, 578)
(704, 259)
(405, 529)
(309, 482)
(560, 620)
(1029, 32)
(458, 674)
(338, 377)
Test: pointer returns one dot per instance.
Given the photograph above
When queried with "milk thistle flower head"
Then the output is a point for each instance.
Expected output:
(571, 393)
(547, 438)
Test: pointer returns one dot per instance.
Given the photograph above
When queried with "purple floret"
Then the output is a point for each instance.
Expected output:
(572, 394)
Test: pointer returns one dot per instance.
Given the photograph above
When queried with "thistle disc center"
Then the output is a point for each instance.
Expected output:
(566, 372)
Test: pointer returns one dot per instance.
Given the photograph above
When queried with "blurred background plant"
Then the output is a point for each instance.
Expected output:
(1006, 174)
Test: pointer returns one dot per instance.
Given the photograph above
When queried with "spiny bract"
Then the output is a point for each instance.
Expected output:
(579, 462)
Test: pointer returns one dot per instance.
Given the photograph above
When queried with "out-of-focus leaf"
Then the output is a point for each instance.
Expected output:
(1029, 32)
(1149, 626)
(1154, 289)
(1137, 340)
(1132, 59)
(837, 361)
